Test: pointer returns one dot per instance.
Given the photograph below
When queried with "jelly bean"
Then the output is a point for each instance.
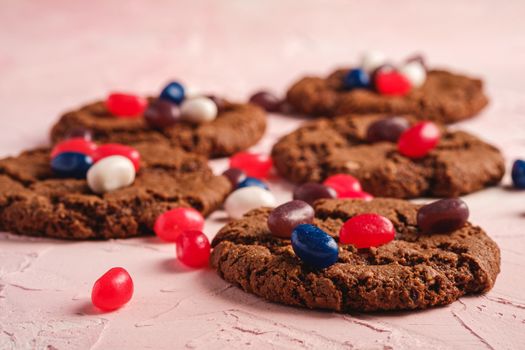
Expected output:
(219, 102)
(116, 149)
(286, 107)
(444, 215)
(266, 100)
(78, 133)
(126, 105)
(415, 73)
(356, 195)
(392, 84)
(112, 290)
(286, 217)
(252, 181)
(419, 140)
(198, 110)
(235, 176)
(314, 246)
(311, 191)
(245, 199)
(388, 129)
(77, 145)
(253, 164)
(518, 173)
(193, 248)
(173, 92)
(342, 184)
(384, 68)
(172, 223)
(111, 173)
(367, 230)
(71, 164)
(161, 114)
(356, 79)
(371, 60)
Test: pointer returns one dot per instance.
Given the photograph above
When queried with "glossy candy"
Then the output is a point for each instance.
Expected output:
(371, 60)
(266, 100)
(314, 246)
(518, 174)
(388, 129)
(77, 144)
(193, 248)
(173, 92)
(356, 79)
(111, 173)
(343, 184)
(126, 105)
(252, 181)
(444, 215)
(419, 140)
(414, 72)
(356, 195)
(198, 110)
(392, 83)
(386, 67)
(71, 164)
(253, 164)
(311, 191)
(169, 225)
(112, 290)
(78, 133)
(235, 176)
(367, 230)
(286, 217)
(245, 199)
(161, 114)
(117, 149)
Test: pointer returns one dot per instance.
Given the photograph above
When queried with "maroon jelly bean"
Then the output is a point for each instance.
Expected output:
(311, 191)
(235, 176)
(162, 114)
(444, 215)
(389, 129)
(266, 100)
(285, 218)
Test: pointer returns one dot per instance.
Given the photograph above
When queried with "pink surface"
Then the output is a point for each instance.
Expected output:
(57, 54)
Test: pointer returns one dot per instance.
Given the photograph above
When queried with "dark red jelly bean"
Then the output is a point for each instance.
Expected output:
(235, 176)
(266, 100)
(126, 105)
(389, 129)
(444, 215)
(77, 144)
(367, 230)
(161, 114)
(392, 84)
(311, 191)
(112, 290)
(80, 133)
(419, 140)
(286, 217)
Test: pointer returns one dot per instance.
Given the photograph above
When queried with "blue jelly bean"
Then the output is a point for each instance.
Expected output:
(518, 173)
(356, 78)
(252, 181)
(314, 246)
(71, 164)
(173, 92)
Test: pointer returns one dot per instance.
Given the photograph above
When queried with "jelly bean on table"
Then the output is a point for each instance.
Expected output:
(314, 247)
(444, 215)
(518, 173)
(367, 230)
(126, 105)
(286, 217)
(110, 174)
(193, 248)
(172, 223)
(112, 290)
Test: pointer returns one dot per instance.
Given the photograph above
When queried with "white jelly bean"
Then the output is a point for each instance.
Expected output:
(415, 73)
(198, 110)
(191, 92)
(371, 60)
(247, 198)
(110, 173)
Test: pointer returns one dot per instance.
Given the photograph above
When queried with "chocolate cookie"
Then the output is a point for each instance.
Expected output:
(237, 127)
(444, 97)
(414, 271)
(34, 202)
(461, 163)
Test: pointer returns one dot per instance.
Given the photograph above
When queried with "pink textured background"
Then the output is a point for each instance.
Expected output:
(55, 55)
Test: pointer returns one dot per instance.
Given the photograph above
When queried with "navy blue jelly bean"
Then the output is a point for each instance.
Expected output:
(71, 164)
(173, 92)
(518, 173)
(314, 246)
(356, 79)
(252, 181)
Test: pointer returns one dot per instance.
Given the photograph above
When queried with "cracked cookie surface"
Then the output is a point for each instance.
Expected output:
(414, 271)
(460, 164)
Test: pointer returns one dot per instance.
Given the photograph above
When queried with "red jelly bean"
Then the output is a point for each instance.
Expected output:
(419, 140)
(367, 230)
(343, 184)
(126, 105)
(253, 164)
(116, 149)
(112, 290)
(357, 195)
(392, 83)
(193, 248)
(172, 223)
(77, 144)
